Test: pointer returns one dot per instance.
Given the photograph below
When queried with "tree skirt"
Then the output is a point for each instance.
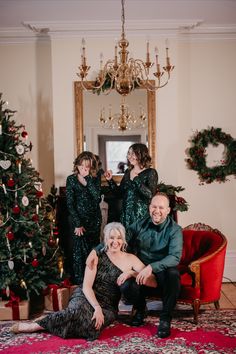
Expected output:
(215, 333)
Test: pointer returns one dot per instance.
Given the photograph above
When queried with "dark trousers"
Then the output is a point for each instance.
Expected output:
(168, 289)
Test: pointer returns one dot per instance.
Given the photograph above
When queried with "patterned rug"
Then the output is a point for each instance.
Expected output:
(215, 333)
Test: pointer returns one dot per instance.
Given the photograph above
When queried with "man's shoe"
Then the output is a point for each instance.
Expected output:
(138, 319)
(163, 330)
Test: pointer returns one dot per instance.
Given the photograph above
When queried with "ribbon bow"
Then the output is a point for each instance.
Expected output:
(54, 287)
(14, 304)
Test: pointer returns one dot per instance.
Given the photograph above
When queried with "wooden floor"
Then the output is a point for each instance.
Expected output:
(228, 297)
(227, 301)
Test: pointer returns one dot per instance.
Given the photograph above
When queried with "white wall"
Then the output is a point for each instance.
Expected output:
(201, 93)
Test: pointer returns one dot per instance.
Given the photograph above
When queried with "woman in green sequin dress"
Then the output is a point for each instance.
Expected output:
(138, 185)
(83, 193)
(96, 305)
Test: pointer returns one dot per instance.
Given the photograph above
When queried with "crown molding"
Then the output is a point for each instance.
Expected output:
(30, 31)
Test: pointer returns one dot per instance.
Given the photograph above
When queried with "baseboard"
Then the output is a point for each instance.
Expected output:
(230, 267)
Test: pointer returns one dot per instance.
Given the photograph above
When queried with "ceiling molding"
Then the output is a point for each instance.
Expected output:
(30, 31)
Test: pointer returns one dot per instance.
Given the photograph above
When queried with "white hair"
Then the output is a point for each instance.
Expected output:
(117, 226)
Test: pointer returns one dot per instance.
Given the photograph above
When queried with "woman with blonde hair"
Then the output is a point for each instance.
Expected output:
(94, 306)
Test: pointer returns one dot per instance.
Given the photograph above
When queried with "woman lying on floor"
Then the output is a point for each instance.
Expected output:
(96, 305)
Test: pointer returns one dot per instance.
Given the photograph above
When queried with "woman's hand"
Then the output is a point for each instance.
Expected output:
(83, 170)
(108, 175)
(79, 231)
(98, 317)
(124, 276)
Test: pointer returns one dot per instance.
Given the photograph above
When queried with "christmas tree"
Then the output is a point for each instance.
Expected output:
(29, 251)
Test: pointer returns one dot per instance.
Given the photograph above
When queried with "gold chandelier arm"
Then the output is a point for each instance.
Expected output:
(151, 87)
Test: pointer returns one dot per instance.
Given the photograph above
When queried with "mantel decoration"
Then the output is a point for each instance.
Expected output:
(126, 73)
(197, 155)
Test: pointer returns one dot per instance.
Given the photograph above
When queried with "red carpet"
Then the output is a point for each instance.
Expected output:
(215, 333)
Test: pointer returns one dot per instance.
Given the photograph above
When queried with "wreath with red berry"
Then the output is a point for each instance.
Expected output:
(197, 155)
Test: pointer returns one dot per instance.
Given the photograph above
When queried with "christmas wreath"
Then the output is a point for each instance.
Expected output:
(197, 155)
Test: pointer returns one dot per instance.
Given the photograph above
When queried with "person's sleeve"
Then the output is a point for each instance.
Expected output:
(175, 252)
(149, 188)
(126, 183)
(99, 248)
(94, 187)
(71, 202)
(131, 236)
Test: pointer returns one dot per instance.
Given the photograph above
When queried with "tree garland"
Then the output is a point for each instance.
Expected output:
(197, 155)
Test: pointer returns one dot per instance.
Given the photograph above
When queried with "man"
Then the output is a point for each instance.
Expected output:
(157, 240)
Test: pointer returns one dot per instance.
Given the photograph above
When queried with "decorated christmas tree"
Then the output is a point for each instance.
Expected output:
(29, 251)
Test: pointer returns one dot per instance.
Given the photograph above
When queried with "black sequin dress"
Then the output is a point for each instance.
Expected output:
(83, 210)
(136, 194)
(75, 320)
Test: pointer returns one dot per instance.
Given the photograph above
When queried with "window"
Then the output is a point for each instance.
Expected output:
(113, 150)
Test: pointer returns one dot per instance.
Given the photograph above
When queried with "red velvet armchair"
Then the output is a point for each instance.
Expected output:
(201, 266)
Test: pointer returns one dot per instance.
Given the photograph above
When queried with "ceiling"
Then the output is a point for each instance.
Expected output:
(93, 16)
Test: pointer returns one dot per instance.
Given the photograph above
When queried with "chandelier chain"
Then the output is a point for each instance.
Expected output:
(123, 19)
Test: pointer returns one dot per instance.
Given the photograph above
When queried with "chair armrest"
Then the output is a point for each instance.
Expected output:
(208, 273)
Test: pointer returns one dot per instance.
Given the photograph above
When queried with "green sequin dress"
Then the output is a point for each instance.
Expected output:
(84, 210)
(136, 194)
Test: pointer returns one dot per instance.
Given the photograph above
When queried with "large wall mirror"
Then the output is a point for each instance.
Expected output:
(108, 141)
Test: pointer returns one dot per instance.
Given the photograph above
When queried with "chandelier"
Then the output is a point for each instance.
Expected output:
(124, 74)
(124, 120)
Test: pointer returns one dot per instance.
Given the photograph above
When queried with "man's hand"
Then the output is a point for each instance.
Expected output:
(144, 275)
(92, 259)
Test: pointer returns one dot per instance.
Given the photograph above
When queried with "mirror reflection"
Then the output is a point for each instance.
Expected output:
(102, 129)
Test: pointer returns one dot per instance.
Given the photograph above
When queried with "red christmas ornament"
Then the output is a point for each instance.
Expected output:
(24, 134)
(10, 235)
(51, 242)
(11, 182)
(55, 231)
(39, 194)
(16, 209)
(35, 262)
(35, 218)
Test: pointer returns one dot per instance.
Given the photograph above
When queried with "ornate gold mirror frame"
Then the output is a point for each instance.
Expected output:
(151, 108)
